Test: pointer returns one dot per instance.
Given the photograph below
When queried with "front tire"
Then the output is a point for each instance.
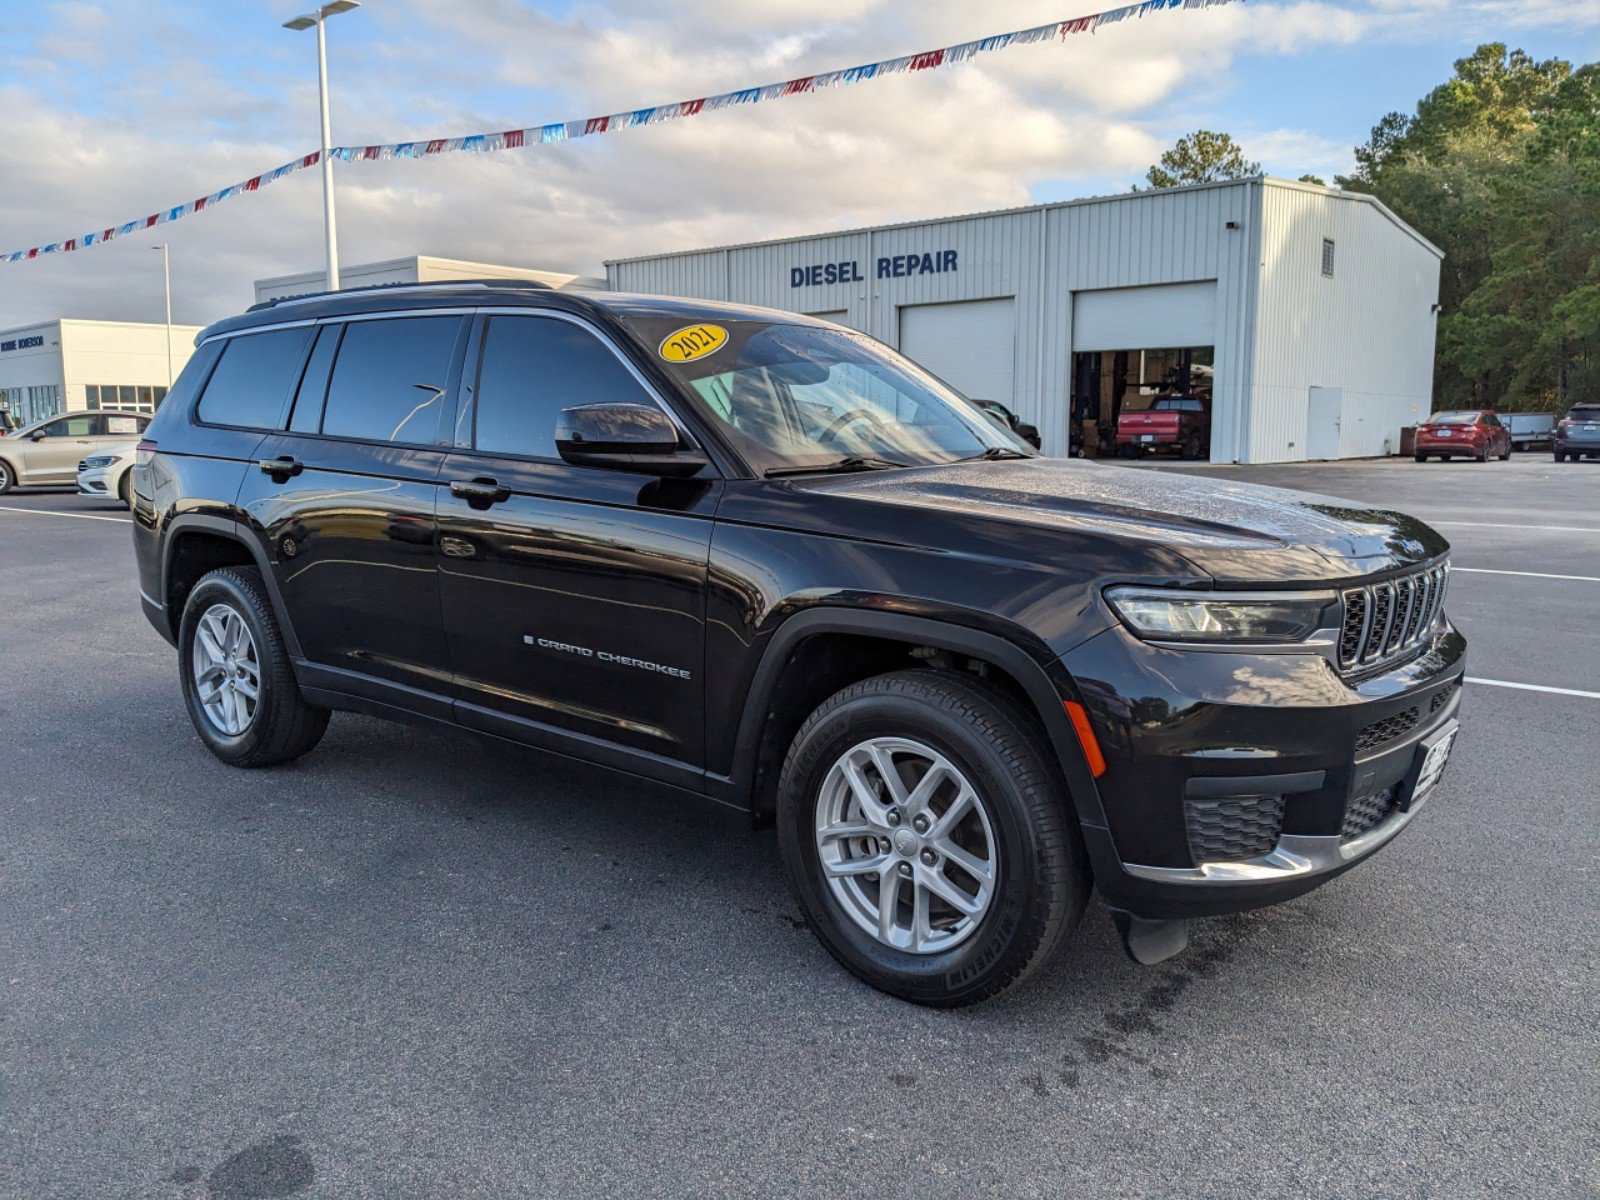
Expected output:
(929, 844)
(125, 490)
(8, 477)
(238, 682)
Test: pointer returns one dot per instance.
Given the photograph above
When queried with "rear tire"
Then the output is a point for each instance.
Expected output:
(1421, 458)
(1560, 457)
(1018, 829)
(275, 725)
(1191, 448)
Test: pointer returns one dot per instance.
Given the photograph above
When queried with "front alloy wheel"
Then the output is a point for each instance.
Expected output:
(926, 838)
(906, 845)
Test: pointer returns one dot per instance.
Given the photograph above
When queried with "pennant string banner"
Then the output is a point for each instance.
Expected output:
(563, 131)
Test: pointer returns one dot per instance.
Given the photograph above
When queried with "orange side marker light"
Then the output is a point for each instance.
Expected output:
(1091, 748)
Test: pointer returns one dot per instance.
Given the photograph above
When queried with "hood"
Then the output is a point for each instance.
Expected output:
(1232, 531)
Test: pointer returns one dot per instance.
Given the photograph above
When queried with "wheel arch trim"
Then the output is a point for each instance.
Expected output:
(225, 529)
(1044, 694)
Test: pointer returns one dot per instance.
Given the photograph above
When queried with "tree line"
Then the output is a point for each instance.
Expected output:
(1499, 167)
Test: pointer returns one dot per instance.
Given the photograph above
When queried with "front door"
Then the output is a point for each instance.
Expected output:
(573, 596)
(343, 500)
(62, 444)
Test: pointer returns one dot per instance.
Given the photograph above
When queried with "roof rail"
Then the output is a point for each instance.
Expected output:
(435, 286)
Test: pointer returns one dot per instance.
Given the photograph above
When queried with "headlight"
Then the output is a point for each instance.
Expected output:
(1170, 615)
(103, 460)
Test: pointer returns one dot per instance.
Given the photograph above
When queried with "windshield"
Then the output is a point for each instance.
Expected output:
(791, 397)
(1453, 418)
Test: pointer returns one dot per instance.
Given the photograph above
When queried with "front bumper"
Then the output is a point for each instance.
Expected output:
(92, 483)
(1236, 780)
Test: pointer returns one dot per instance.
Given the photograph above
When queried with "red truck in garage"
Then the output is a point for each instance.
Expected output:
(1176, 422)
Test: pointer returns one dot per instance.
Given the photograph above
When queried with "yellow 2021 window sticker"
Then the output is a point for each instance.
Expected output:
(692, 342)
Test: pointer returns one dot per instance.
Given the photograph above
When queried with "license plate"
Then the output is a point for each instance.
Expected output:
(1445, 433)
(1147, 437)
(1433, 765)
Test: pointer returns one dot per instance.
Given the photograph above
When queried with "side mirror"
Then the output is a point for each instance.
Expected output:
(37, 436)
(625, 437)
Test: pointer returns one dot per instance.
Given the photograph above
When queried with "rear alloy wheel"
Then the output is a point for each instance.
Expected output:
(238, 682)
(930, 845)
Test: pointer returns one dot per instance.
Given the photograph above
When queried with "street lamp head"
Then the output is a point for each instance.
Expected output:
(332, 9)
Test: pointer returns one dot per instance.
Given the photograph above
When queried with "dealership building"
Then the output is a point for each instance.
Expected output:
(1308, 311)
(99, 366)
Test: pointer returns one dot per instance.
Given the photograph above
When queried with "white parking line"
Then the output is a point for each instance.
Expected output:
(1527, 574)
(1493, 525)
(47, 512)
(1534, 687)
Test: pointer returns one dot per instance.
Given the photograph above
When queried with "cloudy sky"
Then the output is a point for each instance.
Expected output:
(115, 108)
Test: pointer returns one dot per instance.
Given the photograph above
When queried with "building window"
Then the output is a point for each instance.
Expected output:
(1327, 257)
(112, 397)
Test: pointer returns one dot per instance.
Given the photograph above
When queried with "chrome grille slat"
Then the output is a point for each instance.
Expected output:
(1383, 621)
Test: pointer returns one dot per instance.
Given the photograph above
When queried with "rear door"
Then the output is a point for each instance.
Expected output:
(342, 500)
(573, 603)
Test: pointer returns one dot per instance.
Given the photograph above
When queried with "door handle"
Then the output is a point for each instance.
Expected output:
(480, 492)
(281, 469)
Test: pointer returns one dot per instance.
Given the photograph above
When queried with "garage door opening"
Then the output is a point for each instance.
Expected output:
(1108, 383)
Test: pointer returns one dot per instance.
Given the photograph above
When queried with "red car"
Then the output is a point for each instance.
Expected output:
(1181, 423)
(1474, 433)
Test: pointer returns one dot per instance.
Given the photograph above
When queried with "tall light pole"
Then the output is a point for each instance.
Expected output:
(316, 20)
(166, 271)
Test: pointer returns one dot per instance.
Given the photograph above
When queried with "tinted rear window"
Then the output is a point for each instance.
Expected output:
(390, 378)
(250, 386)
(1453, 418)
(533, 367)
(1585, 412)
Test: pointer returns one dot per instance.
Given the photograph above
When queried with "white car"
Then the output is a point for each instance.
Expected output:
(109, 473)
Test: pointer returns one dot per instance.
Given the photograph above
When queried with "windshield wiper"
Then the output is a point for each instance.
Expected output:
(994, 452)
(853, 463)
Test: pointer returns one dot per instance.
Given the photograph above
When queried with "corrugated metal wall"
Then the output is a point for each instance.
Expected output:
(1368, 330)
(1042, 256)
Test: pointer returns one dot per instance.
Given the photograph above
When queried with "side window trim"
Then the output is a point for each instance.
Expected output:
(320, 400)
(480, 338)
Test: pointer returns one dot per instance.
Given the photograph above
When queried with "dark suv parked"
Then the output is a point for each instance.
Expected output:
(1577, 434)
(769, 561)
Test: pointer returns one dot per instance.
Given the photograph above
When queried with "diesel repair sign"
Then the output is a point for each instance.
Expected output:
(933, 262)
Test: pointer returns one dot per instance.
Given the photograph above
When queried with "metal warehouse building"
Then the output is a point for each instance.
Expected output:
(1308, 311)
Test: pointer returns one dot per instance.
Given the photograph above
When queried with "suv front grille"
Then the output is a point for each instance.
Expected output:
(1367, 813)
(1387, 729)
(1233, 828)
(1383, 621)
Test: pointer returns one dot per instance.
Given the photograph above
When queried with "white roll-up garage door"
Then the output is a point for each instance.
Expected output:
(1167, 316)
(971, 345)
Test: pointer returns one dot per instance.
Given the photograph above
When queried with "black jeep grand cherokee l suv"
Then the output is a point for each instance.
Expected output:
(766, 560)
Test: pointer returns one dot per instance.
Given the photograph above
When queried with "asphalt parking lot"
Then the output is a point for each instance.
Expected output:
(407, 967)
